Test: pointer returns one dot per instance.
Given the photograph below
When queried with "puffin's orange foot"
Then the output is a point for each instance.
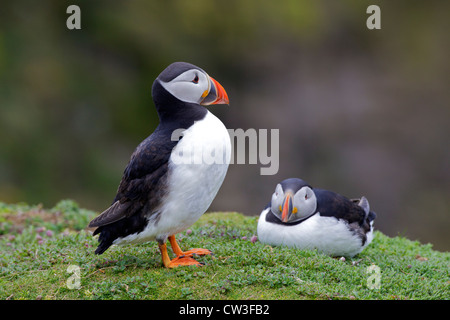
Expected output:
(180, 260)
(183, 261)
(177, 250)
(197, 251)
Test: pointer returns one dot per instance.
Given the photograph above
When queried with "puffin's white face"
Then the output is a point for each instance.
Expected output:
(195, 86)
(290, 207)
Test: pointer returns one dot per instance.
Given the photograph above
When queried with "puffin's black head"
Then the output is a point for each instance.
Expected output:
(182, 81)
(293, 200)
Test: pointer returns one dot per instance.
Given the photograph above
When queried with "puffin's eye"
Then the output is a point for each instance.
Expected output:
(306, 196)
(195, 79)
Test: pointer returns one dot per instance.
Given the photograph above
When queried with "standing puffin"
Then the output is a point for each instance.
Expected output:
(308, 218)
(168, 184)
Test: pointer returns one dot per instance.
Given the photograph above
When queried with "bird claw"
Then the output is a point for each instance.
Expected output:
(198, 252)
(184, 261)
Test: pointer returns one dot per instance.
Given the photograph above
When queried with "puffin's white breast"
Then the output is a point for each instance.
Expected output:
(326, 234)
(197, 167)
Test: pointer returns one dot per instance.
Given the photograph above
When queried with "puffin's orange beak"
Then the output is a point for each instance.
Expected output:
(287, 208)
(216, 94)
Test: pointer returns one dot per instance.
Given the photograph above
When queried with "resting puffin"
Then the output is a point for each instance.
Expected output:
(172, 177)
(308, 218)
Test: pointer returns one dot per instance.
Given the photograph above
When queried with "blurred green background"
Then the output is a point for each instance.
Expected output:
(360, 112)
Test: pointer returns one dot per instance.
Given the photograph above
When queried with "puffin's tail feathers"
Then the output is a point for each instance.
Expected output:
(115, 212)
(103, 246)
(104, 239)
(364, 203)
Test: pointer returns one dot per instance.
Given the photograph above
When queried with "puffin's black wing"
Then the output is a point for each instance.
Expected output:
(331, 204)
(114, 213)
(140, 192)
(142, 181)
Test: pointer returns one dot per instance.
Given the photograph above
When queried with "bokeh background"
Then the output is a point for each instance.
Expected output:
(360, 112)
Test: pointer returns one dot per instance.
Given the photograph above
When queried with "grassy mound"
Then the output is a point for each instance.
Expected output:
(47, 254)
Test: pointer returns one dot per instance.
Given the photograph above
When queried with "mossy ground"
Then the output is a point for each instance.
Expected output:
(37, 246)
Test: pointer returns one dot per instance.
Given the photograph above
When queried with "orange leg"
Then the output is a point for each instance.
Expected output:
(178, 261)
(164, 254)
(177, 250)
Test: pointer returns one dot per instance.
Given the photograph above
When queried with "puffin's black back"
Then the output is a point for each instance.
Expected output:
(331, 204)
